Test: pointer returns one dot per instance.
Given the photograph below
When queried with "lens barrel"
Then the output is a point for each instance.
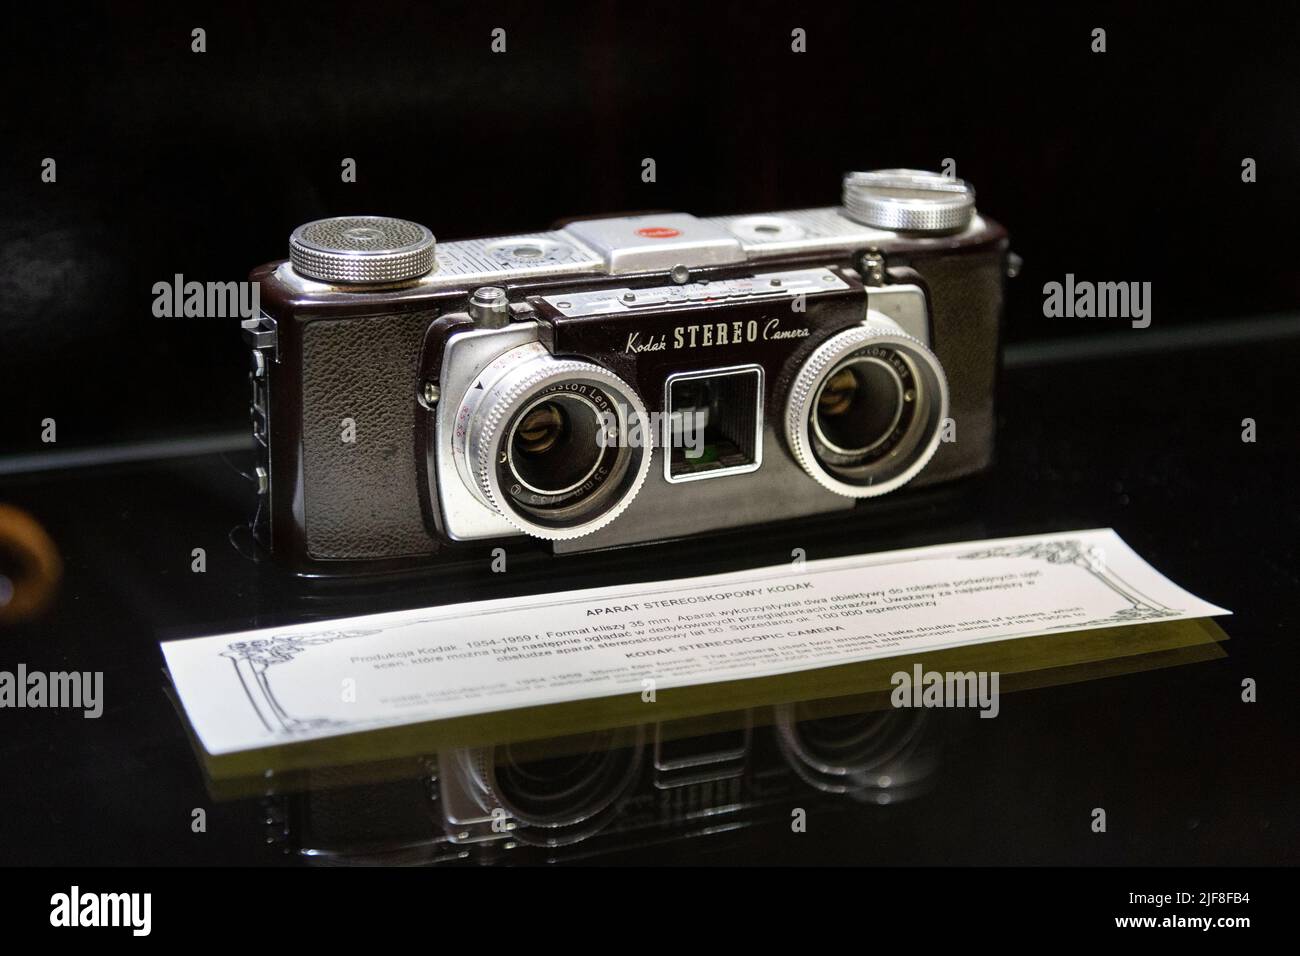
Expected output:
(559, 447)
(866, 409)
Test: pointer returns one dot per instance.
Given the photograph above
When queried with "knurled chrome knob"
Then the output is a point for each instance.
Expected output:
(362, 249)
(908, 200)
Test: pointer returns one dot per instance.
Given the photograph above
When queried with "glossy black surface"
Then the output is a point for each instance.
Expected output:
(1143, 435)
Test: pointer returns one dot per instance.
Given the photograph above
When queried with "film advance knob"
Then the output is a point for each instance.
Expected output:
(908, 200)
(362, 249)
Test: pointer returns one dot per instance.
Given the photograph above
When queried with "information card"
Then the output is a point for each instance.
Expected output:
(274, 686)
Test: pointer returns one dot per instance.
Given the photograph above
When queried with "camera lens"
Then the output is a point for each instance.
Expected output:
(555, 444)
(540, 429)
(559, 447)
(865, 410)
(859, 406)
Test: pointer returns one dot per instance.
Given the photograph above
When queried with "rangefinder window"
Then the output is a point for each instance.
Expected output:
(715, 423)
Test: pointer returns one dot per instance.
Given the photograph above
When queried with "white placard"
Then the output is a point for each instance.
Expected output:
(278, 685)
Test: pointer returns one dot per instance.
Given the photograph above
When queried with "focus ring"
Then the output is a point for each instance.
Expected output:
(500, 410)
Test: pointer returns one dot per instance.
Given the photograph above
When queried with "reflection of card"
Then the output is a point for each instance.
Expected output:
(279, 685)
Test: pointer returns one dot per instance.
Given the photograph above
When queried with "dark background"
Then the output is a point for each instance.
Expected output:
(1122, 166)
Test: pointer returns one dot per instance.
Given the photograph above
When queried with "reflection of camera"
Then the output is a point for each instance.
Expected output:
(493, 793)
(620, 380)
(599, 793)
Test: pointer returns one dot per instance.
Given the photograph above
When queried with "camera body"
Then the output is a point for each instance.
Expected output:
(620, 380)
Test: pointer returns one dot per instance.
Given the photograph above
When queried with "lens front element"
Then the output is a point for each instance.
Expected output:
(555, 444)
(860, 406)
